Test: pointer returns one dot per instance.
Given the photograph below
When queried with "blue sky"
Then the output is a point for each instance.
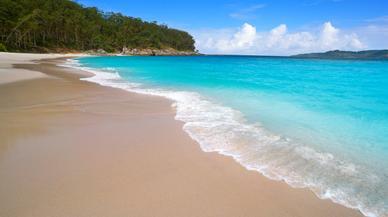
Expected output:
(267, 27)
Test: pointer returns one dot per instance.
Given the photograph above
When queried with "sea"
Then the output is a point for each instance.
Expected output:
(313, 123)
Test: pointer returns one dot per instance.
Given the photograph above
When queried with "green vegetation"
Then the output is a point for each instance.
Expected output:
(337, 54)
(2, 48)
(64, 25)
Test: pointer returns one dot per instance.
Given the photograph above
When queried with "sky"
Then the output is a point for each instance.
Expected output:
(264, 27)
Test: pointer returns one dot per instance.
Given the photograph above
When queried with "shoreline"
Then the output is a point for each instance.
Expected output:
(176, 180)
(179, 100)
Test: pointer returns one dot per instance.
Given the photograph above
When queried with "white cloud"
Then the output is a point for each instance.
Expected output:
(276, 35)
(375, 36)
(381, 19)
(277, 41)
(246, 13)
(242, 39)
(374, 32)
(329, 36)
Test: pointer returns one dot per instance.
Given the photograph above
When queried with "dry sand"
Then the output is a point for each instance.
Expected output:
(8, 59)
(69, 148)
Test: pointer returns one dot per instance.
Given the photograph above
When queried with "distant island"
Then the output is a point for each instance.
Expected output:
(337, 54)
(43, 26)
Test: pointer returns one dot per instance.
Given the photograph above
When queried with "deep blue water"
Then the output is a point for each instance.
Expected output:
(321, 124)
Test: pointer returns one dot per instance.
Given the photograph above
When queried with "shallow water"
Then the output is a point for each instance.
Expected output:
(320, 124)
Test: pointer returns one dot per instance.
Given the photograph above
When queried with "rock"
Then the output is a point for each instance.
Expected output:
(101, 51)
(156, 52)
(98, 52)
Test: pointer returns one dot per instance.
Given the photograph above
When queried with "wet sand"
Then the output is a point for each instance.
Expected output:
(74, 148)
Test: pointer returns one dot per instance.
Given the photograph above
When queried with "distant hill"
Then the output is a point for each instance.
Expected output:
(337, 54)
(65, 25)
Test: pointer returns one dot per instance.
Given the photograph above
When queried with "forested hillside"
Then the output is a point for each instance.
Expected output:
(55, 25)
(338, 54)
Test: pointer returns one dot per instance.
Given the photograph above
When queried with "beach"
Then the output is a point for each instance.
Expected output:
(73, 148)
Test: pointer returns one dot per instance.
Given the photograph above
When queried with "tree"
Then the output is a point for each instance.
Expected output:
(44, 25)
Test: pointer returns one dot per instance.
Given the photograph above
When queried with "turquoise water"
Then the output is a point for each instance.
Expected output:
(320, 124)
